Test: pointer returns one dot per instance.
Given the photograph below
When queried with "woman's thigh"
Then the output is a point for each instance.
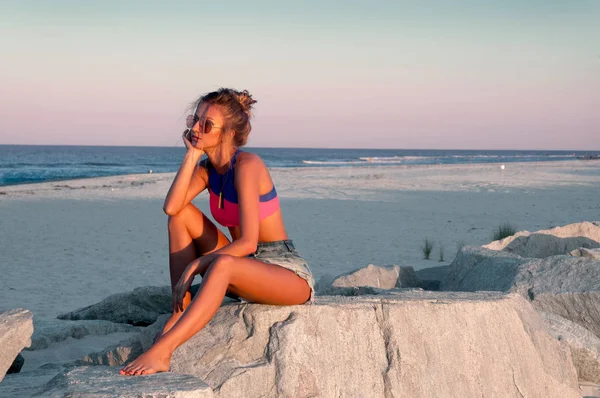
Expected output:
(264, 283)
(205, 235)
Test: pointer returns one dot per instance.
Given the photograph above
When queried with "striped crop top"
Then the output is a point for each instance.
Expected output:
(224, 198)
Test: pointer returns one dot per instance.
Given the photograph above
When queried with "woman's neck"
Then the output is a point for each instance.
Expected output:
(220, 157)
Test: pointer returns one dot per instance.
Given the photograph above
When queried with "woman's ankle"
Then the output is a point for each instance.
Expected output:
(171, 321)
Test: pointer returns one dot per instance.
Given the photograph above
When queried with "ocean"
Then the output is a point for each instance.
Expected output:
(24, 164)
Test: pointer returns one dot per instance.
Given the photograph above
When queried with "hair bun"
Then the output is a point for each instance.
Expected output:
(246, 101)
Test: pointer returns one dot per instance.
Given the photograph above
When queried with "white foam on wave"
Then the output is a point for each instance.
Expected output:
(418, 157)
(364, 160)
(383, 158)
(354, 162)
(477, 156)
(332, 162)
(543, 156)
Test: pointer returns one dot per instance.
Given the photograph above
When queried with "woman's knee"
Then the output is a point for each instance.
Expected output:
(221, 266)
(190, 222)
(184, 213)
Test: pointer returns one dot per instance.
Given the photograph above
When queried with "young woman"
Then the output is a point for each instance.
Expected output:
(259, 264)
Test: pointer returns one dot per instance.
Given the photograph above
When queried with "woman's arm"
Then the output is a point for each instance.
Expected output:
(188, 183)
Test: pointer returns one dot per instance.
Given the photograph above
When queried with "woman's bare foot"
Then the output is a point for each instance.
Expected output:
(152, 361)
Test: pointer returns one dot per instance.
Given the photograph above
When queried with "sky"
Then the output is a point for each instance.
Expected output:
(328, 74)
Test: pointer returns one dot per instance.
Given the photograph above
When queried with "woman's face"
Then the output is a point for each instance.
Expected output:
(207, 131)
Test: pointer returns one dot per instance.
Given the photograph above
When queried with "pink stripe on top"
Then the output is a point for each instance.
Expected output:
(229, 215)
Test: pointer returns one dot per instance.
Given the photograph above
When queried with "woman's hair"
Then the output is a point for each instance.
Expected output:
(236, 107)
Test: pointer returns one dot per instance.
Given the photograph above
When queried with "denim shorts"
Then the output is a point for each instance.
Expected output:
(284, 254)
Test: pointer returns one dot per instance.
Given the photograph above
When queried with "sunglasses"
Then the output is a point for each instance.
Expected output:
(206, 126)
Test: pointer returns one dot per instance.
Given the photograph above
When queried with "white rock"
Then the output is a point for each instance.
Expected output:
(550, 242)
(541, 246)
(128, 349)
(584, 345)
(476, 268)
(71, 350)
(379, 277)
(16, 328)
(564, 285)
(105, 381)
(140, 307)
(29, 384)
(589, 390)
(412, 343)
(119, 354)
(589, 253)
(49, 331)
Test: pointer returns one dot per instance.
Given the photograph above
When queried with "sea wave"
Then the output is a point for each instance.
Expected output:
(353, 162)
(104, 164)
(332, 162)
(477, 156)
(381, 158)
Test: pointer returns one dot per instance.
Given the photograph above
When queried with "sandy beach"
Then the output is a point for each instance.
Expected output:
(69, 244)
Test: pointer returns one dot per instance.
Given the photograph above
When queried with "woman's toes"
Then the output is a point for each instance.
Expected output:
(130, 371)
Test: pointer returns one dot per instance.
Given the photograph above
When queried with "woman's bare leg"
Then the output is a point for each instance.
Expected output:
(191, 235)
(251, 279)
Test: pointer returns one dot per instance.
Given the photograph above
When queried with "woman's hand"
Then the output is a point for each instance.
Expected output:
(193, 150)
(183, 285)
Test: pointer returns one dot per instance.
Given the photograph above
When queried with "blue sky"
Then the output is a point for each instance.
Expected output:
(463, 74)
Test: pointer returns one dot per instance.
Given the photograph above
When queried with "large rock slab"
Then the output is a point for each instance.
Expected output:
(584, 345)
(564, 285)
(104, 382)
(16, 328)
(550, 242)
(410, 343)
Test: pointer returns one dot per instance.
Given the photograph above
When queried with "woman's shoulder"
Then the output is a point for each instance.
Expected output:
(248, 160)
